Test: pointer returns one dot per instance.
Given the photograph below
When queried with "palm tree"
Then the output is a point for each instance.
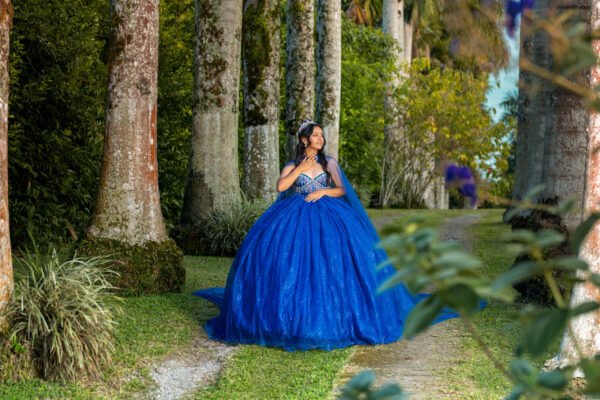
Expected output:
(213, 179)
(329, 71)
(364, 12)
(6, 275)
(260, 53)
(128, 215)
(300, 68)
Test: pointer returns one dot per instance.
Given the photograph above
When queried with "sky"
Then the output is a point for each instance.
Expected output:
(507, 79)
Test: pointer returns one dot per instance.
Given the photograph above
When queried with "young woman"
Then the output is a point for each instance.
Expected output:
(305, 276)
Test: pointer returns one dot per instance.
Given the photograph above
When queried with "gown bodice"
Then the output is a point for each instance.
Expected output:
(305, 184)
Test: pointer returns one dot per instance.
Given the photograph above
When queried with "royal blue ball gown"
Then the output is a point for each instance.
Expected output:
(305, 276)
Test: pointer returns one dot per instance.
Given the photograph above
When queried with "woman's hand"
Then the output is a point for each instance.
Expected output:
(307, 164)
(316, 195)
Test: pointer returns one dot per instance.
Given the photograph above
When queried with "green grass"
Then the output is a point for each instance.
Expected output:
(149, 328)
(152, 327)
(494, 323)
(264, 373)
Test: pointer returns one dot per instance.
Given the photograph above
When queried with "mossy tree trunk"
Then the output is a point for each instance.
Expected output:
(260, 53)
(393, 25)
(6, 274)
(585, 328)
(329, 71)
(300, 69)
(128, 215)
(213, 179)
(128, 204)
(565, 143)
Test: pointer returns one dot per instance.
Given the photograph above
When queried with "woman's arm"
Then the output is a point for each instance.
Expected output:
(291, 172)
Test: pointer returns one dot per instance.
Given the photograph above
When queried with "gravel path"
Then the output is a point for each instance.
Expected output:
(418, 364)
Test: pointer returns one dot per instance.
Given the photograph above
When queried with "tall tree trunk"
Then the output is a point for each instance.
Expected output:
(128, 204)
(300, 69)
(532, 108)
(213, 181)
(393, 25)
(128, 221)
(565, 137)
(329, 71)
(6, 274)
(585, 328)
(260, 52)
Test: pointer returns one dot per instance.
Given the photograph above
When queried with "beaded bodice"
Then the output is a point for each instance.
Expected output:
(305, 184)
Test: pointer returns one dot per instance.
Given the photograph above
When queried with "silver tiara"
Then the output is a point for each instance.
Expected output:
(304, 124)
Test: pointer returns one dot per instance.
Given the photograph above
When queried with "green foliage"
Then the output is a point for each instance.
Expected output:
(458, 282)
(221, 231)
(442, 114)
(57, 104)
(366, 66)
(60, 322)
(361, 387)
(175, 96)
(152, 267)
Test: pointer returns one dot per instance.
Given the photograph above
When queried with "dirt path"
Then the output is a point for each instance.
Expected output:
(198, 367)
(417, 364)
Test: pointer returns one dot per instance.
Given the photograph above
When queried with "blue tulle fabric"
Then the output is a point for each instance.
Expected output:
(305, 276)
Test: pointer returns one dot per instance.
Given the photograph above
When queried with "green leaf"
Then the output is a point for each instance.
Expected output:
(564, 207)
(543, 330)
(554, 380)
(362, 381)
(534, 191)
(516, 393)
(591, 369)
(582, 231)
(584, 308)
(522, 369)
(548, 238)
(518, 273)
(395, 280)
(570, 263)
(595, 279)
(519, 236)
(461, 298)
(421, 316)
(457, 259)
(389, 392)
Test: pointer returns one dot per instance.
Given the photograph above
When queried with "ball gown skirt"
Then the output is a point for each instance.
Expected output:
(305, 277)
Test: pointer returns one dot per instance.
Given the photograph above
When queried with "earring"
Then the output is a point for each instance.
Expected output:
(305, 145)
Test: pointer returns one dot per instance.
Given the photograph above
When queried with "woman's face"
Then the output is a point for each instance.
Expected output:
(317, 141)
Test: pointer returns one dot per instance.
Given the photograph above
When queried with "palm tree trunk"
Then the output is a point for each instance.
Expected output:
(213, 179)
(128, 221)
(532, 109)
(585, 328)
(260, 51)
(6, 274)
(128, 203)
(329, 71)
(300, 69)
(565, 143)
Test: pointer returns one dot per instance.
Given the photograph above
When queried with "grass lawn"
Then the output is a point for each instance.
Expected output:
(151, 327)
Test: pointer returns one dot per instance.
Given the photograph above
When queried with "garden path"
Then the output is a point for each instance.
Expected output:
(417, 365)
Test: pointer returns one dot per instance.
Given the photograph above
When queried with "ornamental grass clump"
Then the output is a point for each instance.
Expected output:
(62, 313)
(225, 229)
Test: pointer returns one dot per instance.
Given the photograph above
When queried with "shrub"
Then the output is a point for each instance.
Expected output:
(221, 231)
(224, 230)
(60, 317)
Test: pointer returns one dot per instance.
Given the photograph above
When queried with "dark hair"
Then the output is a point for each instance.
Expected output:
(321, 158)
